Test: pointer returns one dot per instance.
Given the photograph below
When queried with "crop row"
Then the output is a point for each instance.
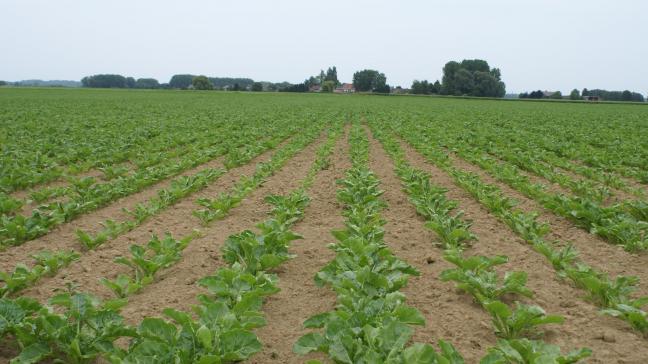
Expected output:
(89, 196)
(23, 277)
(371, 322)
(613, 296)
(71, 133)
(222, 332)
(624, 223)
(516, 327)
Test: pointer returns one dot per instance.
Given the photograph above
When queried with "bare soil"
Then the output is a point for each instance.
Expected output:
(611, 339)
(449, 315)
(299, 297)
(199, 258)
(594, 251)
(64, 237)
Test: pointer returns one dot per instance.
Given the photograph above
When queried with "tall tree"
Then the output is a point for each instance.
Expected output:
(437, 87)
(472, 77)
(201, 83)
(104, 81)
(420, 87)
(369, 80)
(328, 86)
(147, 83)
(464, 82)
(575, 95)
(322, 77)
(331, 75)
(257, 87)
(556, 95)
(181, 81)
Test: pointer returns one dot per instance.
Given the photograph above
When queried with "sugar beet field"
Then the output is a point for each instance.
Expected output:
(191, 227)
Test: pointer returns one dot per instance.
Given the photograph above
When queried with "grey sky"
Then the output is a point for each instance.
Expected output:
(537, 45)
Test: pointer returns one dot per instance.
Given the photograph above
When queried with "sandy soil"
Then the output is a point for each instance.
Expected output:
(594, 251)
(64, 236)
(611, 339)
(299, 297)
(198, 257)
(449, 316)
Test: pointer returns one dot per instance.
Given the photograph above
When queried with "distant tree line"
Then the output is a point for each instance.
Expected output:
(576, 95)
(470, 77)
(539, 94)
(425, 88)
(184, 81)
(118, 81)
(606, 95)
(179, 81)
(328, 79)
(323, 82)
(42, 83)
(300, 87)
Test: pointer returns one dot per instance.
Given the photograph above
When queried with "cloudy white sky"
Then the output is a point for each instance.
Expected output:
(544, 44)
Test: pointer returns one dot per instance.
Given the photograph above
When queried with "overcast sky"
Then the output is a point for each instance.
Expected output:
(553, 45)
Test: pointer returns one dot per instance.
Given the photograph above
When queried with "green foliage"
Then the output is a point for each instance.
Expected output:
(477, 276)
(52, 262)
(105, 81)
(520, 322)
(369, 81)
(145, 262)
(473, 78)
(86, 329)
(575, 95)
(47, 263)
(524, 351)
(371, 322)
(425, 88)
(201, 83)
(218, 335)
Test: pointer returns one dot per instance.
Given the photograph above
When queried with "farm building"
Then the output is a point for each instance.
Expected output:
(345, 88)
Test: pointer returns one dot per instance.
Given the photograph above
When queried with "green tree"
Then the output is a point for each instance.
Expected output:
(420, 87)
(181, 81)
(485, 84)
(328, 86)
(104, 81)
(312, 81)
(585, 92)
(464, 82)
(626, 95)
(437, 87)
(3, 83)
(575, 95)
(556, 95)
(448, 81)
(331, 75)
(257, 87)
(147, 83)
(471, 77)
(201, 83)
(369, 80)
(383, 89)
